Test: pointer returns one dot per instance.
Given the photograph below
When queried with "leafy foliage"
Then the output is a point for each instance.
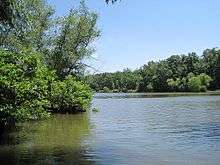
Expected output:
(28, 89)
(65, 41)
(6, 13)
(28, 26)
(23, 86)
(106, 90)
(70, 95)
(194, 84)
(178, 73)
(72, 44)
(211, 60)
(117, 82)
(41, 59)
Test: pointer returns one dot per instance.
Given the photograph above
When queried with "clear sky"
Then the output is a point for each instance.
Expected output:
(137, 31)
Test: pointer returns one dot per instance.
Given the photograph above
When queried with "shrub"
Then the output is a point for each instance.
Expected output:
(28, 89)
(70, 95)
(106, 90)
(198, 83)
(205, 79)
(23, 86)
(194, 84)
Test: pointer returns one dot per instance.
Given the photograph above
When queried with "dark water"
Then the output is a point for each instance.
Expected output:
(127, 129)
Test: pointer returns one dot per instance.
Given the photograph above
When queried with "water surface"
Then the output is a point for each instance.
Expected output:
(127, 129)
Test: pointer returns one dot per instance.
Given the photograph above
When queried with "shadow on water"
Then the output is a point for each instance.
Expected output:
(58, 140)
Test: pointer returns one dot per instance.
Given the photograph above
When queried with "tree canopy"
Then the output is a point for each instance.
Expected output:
(178, 73)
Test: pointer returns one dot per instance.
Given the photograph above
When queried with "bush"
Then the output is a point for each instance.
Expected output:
(194, 84)
(70, 95)
(23, 86)
(198, 83)
(106, 90)
(205, 79)
(28, 89)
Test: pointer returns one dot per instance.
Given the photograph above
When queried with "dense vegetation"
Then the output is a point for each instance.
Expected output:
(42, 60)
(178, 73)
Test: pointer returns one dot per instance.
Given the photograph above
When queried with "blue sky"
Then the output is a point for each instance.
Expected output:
(135, 32)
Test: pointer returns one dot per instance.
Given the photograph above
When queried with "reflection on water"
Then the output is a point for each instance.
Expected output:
(127, 129)
(56, 140)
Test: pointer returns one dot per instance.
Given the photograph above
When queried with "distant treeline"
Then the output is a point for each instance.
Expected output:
(178, 73)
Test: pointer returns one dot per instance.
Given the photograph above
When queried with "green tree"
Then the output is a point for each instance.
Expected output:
(146, 72)
(159, 80)
(217, 73)
(72, 45)
(211, 59)
(28, 26)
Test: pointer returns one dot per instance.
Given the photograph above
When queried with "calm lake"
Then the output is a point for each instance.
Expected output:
(126, 129)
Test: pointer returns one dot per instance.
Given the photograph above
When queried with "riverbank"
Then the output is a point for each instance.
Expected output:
(155, 94)
(217, 92)
(185, 93)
